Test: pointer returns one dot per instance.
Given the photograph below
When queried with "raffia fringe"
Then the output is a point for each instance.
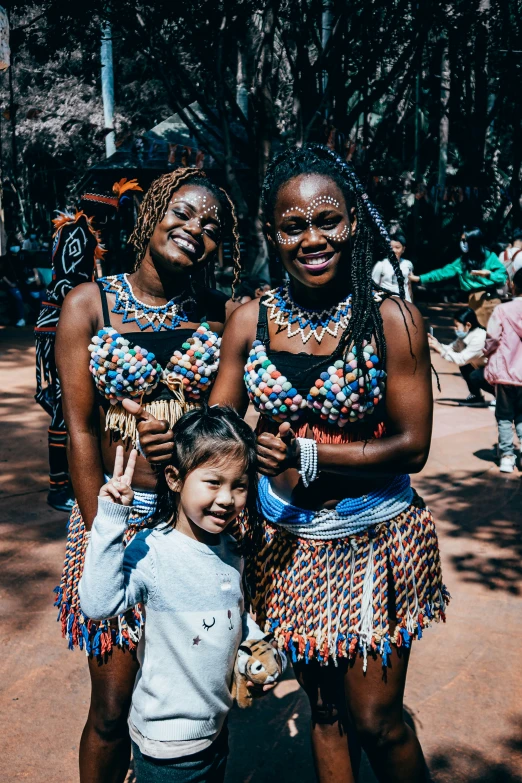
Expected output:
(329, 599)
(96, 638)
(119, 420)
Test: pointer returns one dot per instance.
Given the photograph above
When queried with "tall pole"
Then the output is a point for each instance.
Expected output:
(443, 123)
(5, 60)
(242, 90)
(416, 143)
(327, 21)
(107, 80)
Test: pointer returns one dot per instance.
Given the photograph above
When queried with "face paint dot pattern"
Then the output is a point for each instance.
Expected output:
(201, 202)
(308, 214)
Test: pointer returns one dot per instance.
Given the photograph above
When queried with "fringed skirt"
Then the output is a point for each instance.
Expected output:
(347, 596)
(97, 637)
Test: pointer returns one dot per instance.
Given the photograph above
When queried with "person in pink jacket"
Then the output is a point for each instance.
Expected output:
(504, 368)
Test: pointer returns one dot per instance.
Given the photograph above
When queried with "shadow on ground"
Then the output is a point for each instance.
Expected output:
(465, 765)
(486, 510)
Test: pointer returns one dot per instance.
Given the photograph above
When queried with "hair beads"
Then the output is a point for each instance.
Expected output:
(343, 393)
(269, 391)
(120, 370)
(198, 365)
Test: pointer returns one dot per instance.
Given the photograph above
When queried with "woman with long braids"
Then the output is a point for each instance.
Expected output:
(152, 335)
(347, 572)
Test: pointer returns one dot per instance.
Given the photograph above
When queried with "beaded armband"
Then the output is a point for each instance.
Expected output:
(197, 367)
(120, 370)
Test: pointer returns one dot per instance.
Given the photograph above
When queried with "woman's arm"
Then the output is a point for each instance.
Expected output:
(77, 324)
(409, 410)
(437, 275)
(472, 350)
(240, 330)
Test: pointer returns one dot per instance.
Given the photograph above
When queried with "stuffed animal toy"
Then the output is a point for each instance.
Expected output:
(258, 662)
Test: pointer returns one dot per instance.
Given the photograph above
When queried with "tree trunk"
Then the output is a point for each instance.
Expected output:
(445, 77)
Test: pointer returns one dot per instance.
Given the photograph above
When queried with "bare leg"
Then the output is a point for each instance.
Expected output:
(105, 743)
(335, 748)
(375, 702)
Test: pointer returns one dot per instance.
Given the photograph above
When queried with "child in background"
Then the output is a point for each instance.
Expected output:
(467, 352)
(383, 272)
(504, 368)
(187, 571)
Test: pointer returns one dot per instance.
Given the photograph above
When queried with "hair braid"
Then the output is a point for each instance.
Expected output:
(371, 240)
(236, 250)
(155, 203)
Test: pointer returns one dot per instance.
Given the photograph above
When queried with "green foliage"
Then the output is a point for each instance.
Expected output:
(373, 91)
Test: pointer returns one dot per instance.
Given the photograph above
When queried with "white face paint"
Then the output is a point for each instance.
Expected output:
(201, 204)
(339, 234)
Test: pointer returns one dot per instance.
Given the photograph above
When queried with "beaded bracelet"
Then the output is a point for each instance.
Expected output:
(137, 446)
(308, 461)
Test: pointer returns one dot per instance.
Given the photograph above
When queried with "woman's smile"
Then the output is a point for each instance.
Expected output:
(316, 262)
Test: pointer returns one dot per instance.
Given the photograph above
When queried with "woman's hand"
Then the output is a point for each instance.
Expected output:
(118, 488)
(277, 453)
(414, 278)
(434, 343)
(156, 438)
(481, 272)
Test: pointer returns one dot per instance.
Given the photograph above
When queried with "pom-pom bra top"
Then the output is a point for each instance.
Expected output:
(185, 360)
(285, 386)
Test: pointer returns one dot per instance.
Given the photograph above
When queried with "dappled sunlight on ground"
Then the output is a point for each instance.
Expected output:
(464, 689)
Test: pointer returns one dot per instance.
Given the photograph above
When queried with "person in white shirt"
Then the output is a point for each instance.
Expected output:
(383, 272)
(467, 352)
(514, 250)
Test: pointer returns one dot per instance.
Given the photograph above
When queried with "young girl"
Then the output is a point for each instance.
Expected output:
(504, 368)
(187, 571)
(467, 352)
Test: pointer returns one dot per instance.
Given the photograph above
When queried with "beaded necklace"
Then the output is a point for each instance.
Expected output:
(286, 313)
(167, 316)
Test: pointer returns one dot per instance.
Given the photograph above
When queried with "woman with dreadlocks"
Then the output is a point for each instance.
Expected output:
(152, 335)
(347, 572)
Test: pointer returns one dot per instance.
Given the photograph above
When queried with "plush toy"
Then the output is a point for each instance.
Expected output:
(257, 662)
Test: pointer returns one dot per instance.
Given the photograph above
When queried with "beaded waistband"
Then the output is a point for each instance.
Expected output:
(350, 517)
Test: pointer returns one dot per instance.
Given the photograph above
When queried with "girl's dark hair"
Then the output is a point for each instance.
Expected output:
(468, 316)
(517, 280)
(155, 203)
(476, 254)
(398, 236)
(207, 434)
(371, 238)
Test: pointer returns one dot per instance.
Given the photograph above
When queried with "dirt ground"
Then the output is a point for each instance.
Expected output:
(464, 693)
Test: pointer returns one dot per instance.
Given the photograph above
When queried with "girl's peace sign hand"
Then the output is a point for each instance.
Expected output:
(118, 488)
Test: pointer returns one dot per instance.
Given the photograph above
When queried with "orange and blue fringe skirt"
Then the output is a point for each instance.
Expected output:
(96, 637)
(339, 598)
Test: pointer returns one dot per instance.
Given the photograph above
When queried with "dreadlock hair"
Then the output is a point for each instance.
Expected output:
(154, 207)
(371, 242)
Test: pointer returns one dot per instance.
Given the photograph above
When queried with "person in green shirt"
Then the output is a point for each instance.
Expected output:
(479, 272)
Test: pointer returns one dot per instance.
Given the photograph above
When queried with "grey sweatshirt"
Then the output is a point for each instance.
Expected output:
(195, 620)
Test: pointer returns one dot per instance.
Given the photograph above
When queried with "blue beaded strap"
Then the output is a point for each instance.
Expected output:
(167, 316)
(350, 517)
